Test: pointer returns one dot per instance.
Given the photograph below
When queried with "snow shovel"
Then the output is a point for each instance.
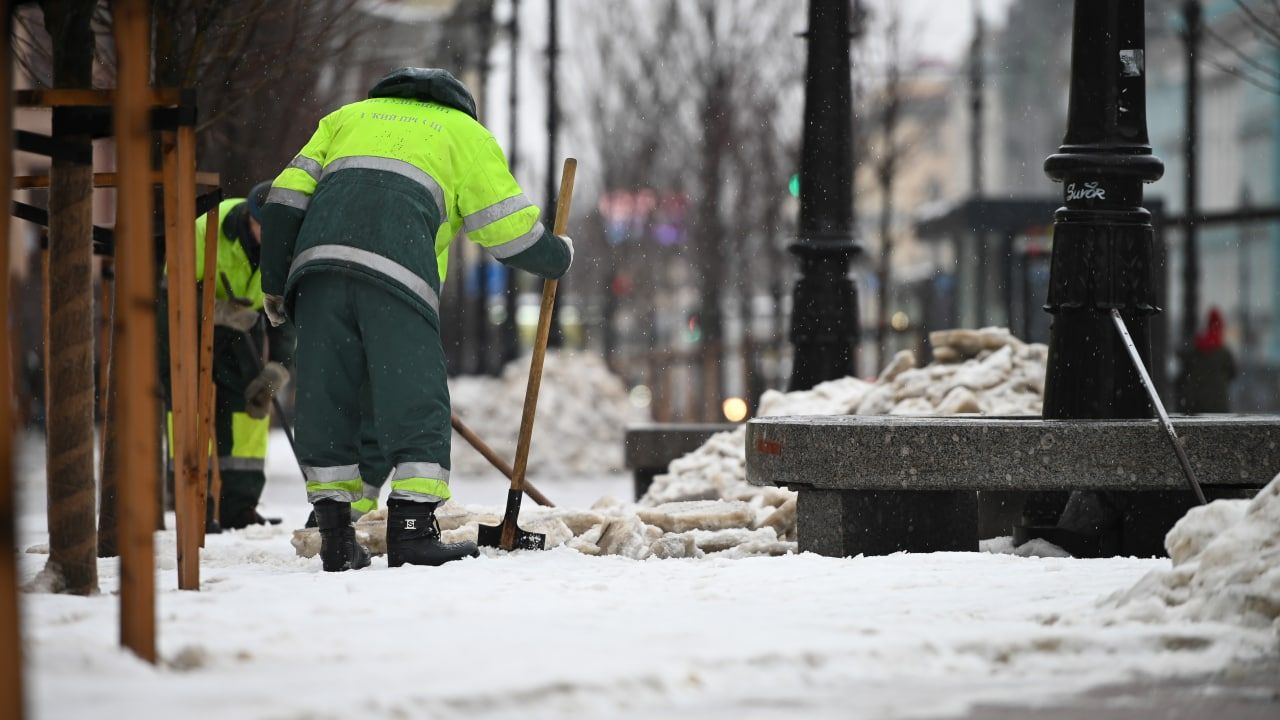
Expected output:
(1159, 406)
(508, 536)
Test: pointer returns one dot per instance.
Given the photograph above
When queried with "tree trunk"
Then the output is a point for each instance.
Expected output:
(69, 376)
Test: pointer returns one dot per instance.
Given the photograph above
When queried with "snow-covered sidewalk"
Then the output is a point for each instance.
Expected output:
(561, 634)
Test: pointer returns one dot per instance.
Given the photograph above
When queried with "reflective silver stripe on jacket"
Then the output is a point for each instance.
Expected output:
(291, 198)
(428, 470)
(391, 165)
(386, 266)
(519, 245)
(244, 464)
(308, 166)
(332, 473)
(495, 212)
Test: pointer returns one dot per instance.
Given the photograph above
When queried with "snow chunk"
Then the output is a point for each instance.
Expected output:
(680, 517)
(1226, 567)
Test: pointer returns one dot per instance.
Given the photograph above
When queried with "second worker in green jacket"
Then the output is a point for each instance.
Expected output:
(356, 234)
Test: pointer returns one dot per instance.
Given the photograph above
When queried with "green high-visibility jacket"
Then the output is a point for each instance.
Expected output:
(233, 253)
(386, 184)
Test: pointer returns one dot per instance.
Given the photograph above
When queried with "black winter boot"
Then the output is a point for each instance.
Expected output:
(338, 547)
(413, 536)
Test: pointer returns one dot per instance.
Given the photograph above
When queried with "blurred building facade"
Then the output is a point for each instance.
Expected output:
(962, 276)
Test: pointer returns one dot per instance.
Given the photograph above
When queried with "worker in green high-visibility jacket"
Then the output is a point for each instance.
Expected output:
(356, 234)
(243, 383)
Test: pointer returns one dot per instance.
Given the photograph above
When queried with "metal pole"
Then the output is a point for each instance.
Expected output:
(553, 130)
(824, 319)
(1193, 31)
(976, 81)
(510, 333)
(1103, 240)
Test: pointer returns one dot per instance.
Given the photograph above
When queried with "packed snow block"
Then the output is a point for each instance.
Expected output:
(669, 547)
(873, 485)
(626, 536)
(678, 517)
(649, 449)
(578, 521)
(1224, 567)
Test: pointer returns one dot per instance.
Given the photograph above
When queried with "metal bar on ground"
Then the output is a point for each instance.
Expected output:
(1159, 406)
(135, 329)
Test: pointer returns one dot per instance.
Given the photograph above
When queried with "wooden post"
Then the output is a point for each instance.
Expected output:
(190, 312)
(135, 327)
(183, 356)
(11, 693)
(205, 392)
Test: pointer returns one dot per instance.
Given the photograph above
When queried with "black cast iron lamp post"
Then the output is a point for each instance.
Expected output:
(1102, 240)
(824, 315)
(1103, 250)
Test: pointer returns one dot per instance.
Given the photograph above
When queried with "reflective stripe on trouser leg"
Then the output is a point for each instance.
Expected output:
(337, 482)
(420, 482)
(366, 504)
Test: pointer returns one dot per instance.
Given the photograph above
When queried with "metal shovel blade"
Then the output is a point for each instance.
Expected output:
(516, 539)
(491, 536)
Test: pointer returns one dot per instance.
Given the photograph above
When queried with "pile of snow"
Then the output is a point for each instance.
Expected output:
(583, 410)
(674, 530)
(1226, 567)
(987, 371)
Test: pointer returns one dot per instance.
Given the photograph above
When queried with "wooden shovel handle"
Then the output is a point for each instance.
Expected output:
(544, 332)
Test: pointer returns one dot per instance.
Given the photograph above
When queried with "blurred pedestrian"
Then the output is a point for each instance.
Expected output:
(357, 232)
(1207, 371)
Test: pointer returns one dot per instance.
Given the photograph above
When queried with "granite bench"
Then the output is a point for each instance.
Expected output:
(649, 449)
(877, 485)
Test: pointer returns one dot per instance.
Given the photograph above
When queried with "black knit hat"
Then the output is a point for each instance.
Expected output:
(257, 198)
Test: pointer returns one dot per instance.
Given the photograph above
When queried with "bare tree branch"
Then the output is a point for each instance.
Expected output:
(1258, 22)
(1235, 50)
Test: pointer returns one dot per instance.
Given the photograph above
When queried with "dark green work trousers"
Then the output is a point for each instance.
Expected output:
(370, 370)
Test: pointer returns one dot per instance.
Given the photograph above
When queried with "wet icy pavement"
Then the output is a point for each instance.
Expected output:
(559, 634)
